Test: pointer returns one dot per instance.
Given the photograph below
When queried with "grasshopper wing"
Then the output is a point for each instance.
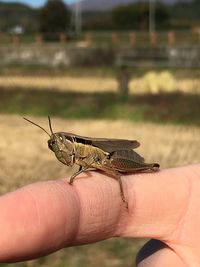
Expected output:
(110, 145)
(106, 144)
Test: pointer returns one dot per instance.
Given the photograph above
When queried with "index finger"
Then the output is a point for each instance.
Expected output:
(46, 216)
(43, 217)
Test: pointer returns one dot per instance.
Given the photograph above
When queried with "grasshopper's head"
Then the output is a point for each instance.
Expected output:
(60, 144)
(62, 147)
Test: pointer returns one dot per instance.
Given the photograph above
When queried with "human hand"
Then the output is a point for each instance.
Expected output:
(46, 216)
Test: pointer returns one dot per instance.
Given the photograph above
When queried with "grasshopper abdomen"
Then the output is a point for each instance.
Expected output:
(127, 161)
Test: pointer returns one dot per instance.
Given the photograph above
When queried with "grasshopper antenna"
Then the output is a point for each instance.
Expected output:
(50, 127)
(37, 126)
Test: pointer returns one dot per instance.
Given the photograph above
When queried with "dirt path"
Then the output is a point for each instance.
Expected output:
(151, 82)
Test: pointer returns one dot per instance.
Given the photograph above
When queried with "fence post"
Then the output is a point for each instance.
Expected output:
(196, 30)
(63, 38)
(153, 38)
(114, 38)
(88, 39)
(171, 38)
(132, 39)
(16, 40)
(38, 39)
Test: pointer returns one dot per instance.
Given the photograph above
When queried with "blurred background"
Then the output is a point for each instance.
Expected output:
(101, 68)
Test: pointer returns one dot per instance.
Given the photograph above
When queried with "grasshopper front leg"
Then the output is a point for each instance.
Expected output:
(88, 163)
(81, 169)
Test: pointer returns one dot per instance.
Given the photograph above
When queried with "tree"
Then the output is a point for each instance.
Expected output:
(136, 16)
(54, 17)
(126, 17)
(16, 14)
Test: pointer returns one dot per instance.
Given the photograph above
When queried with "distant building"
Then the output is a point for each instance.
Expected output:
(18, 30)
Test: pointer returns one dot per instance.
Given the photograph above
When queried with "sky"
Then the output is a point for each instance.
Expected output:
(38, 3)
(34, 3)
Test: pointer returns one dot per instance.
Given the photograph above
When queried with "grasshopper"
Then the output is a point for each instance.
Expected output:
(113, 156)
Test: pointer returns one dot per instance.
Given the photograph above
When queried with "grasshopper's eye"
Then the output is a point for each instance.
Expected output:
(51, 143)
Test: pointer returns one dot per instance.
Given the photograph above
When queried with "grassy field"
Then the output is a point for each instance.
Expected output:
(166, 123)
(23, 70)
(175, 107)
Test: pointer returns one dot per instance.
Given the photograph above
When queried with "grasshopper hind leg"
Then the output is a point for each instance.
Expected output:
(122, 190)
(117, 176)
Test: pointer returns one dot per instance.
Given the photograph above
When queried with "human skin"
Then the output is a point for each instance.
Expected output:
(46, 216)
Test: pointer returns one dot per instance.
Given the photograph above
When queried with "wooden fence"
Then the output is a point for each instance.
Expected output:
(114, 39)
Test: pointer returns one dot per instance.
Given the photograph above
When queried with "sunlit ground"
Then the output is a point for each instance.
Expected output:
(151, 82)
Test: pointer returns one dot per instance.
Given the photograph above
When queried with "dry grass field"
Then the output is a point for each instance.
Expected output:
(25, 158)
(151, 82)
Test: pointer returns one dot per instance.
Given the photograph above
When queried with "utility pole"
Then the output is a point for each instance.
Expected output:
(152, 24)
(78, 17)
